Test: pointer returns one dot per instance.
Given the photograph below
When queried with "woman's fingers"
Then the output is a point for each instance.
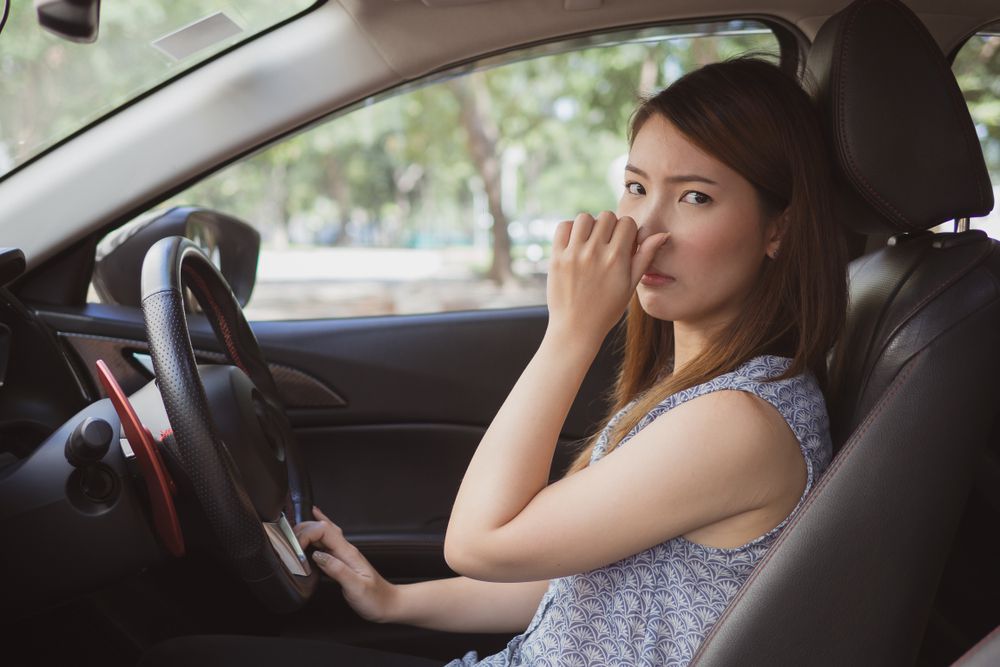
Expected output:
(322, 532)
(364, 589)
(587, 229)
(331, 565)
(583, 225)
(309, 533)
(604, 227)
(336, 569)
(644, 255)
(561, 237)
(624, 235)
(368, 593)
(334, 542)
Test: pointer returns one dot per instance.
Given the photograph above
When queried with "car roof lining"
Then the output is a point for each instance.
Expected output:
(399, 28)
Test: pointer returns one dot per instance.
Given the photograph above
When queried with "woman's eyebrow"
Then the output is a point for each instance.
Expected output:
(680, 178)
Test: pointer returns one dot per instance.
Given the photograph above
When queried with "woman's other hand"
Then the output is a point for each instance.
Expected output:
(596, 265)
(371, 596)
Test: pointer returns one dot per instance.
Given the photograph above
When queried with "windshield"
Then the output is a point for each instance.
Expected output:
(50, 88)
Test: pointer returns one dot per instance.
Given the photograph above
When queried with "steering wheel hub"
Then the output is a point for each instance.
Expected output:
(254, 444)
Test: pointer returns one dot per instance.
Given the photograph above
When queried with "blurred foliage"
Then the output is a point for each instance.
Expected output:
(977, 68)
(397, 171)
(51, 87)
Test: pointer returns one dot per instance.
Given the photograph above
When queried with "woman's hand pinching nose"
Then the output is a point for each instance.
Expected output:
(644, 253)
(595, 267)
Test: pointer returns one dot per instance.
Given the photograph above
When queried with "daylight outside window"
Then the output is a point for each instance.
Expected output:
(977, 69)
(51, 88)
(444, 195)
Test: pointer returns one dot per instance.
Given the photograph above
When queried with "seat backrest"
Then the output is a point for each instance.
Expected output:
(852, 577)
(984, 654)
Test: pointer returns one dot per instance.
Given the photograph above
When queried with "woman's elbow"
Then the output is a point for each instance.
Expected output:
(471, 559)
(459, 556)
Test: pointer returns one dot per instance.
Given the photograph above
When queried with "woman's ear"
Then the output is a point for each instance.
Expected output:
(775, 232)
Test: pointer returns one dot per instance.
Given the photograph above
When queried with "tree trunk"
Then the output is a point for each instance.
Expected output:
(649, 74)
(275, 208)
(482, 134)
(705, 51)
(340, 190)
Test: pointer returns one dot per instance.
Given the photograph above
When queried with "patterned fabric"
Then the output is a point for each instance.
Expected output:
(657, 606)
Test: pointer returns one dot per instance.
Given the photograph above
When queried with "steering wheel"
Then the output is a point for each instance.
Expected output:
(231, 437)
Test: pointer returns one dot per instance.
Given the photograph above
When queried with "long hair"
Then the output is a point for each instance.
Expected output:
(757, 120)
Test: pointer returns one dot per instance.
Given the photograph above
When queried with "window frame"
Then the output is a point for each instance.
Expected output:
(715, 29)
(792, 43)
(78, 258)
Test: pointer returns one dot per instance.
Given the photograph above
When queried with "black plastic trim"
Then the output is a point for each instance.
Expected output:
(951, 55)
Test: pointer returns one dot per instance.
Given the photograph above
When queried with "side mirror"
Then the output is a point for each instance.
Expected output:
(75, 20)
(12, 264)
(231, 244)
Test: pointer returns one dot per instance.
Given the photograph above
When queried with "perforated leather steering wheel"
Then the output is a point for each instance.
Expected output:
(252, 485)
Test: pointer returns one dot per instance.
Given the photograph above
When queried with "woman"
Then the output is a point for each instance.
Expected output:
(725, 253)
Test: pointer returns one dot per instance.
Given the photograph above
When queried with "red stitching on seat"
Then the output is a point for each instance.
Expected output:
(227, 335)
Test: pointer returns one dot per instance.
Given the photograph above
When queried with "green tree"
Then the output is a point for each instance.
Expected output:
(51, 87)
(977, 69)
(532, 139)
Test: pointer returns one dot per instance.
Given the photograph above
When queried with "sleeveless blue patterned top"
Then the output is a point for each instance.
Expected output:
(656, 607)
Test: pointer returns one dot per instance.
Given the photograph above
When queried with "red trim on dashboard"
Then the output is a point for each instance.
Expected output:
(159, 484)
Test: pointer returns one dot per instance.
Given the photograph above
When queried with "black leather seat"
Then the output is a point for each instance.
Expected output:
(852, 579)
(984, 654)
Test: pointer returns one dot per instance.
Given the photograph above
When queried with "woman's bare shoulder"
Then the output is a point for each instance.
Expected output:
(739, 424)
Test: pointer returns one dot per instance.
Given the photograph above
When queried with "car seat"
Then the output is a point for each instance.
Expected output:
(984, 654)
(852, 578)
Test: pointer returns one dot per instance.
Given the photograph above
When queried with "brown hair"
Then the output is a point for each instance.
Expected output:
(757, 120)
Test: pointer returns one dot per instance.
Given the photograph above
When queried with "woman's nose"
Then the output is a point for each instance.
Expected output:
(653, 220)
(642, 234)
(646, 230)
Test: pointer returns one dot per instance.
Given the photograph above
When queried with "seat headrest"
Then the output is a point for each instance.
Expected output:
(896, 120)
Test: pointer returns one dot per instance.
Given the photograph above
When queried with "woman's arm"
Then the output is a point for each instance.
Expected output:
(458, 604)
(461, 604)
(592, 276)
(720, 455)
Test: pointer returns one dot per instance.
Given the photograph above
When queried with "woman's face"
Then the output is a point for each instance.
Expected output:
(719, 235)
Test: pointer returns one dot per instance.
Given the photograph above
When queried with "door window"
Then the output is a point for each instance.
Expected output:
(977, 68)
(444, 195)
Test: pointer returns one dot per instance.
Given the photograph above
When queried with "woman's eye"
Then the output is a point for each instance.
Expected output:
(695, 197)
(634, 188)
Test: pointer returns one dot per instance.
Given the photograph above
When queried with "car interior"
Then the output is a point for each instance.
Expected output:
(124, 521)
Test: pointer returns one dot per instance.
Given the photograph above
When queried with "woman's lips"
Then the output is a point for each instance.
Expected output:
(653, 279)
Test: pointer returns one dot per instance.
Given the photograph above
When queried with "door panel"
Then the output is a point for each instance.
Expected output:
(418, 393)
(454, 368)
(391, 488)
